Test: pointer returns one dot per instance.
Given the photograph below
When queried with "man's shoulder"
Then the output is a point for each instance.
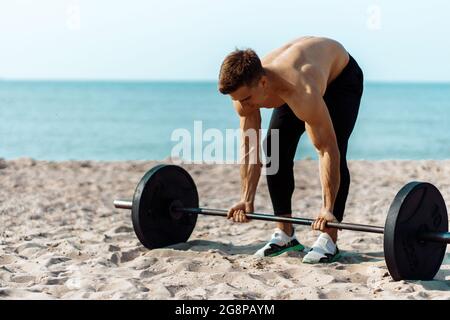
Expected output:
(299, 80)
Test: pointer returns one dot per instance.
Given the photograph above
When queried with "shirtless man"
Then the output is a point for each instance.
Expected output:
(312, 84)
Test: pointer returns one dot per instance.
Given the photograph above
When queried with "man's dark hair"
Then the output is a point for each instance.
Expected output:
(240, 67)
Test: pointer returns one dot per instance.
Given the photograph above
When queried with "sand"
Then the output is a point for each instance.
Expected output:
(61, 237)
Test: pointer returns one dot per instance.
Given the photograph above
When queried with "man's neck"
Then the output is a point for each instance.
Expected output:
(275, 86)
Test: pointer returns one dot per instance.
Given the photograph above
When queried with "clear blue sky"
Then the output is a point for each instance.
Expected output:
(187, 39)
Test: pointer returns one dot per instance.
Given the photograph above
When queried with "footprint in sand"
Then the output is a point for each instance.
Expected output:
(317, 280)
(130, 255)
(123, 229)
(22, 278)
(56, 281)
(143, 263)
(29, 249)
(56, 260)
(7, 259)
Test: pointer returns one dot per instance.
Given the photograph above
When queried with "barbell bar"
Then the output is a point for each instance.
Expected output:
(165, 209)
(127, 204)
(424, 236)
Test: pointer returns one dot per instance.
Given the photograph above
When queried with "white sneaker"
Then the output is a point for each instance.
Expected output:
(279, 244)
(324, 250)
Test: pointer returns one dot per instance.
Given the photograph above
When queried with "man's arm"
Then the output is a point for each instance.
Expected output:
(309, 106)
(250, 162)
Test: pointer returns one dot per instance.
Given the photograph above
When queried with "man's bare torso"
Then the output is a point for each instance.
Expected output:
(315, 60)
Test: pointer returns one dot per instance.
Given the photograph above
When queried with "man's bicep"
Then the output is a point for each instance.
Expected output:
(309, 107)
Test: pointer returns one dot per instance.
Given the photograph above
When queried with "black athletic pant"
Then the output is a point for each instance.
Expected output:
(342, 98)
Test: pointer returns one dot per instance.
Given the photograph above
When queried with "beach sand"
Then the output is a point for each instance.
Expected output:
(61, 237)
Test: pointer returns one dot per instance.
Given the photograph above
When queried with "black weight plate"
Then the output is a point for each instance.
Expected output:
(153, 223)
(416, 208)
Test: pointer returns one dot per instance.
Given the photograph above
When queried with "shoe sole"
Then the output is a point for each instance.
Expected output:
(334, 259)
(298, 247)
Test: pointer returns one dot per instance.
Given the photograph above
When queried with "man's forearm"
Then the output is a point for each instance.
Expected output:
(250, 174)
(250, 157)
(329, 167)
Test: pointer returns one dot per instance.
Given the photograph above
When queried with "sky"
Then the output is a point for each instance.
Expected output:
(187, 40)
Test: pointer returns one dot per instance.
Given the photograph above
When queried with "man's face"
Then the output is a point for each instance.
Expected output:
(251, 98)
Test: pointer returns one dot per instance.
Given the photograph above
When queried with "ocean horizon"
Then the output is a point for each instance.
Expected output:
(135, 119)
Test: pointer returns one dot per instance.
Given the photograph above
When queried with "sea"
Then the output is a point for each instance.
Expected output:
(139, 120)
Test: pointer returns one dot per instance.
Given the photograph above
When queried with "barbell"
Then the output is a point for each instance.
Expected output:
(165, 207)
